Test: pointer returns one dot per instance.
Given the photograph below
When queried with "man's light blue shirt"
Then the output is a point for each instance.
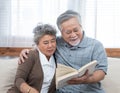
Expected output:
(76, 56)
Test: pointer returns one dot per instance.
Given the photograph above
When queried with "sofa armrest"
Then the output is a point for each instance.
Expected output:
(8, 67)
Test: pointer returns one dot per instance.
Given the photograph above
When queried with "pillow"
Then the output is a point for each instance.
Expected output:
(8, 67)
(111, 83)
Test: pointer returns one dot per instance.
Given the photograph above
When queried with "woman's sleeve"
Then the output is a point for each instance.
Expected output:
(24, 70)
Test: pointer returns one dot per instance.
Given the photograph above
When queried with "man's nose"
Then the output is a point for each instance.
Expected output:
(73, 34)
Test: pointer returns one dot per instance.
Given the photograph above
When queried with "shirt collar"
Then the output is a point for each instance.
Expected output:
(44, 59)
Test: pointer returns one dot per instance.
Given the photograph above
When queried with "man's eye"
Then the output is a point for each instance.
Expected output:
(75, 30)
(45, 43)
(67, 32)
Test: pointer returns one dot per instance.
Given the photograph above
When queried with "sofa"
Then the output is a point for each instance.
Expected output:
(111, 83)
(8, 66)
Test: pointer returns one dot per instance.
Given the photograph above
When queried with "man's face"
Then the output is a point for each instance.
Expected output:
(71, 31)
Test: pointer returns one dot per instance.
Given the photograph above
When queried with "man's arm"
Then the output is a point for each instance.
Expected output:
(97, 76)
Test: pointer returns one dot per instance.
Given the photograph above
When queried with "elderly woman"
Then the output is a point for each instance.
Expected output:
(37, 73)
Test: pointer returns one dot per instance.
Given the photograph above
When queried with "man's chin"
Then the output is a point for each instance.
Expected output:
(74, 43)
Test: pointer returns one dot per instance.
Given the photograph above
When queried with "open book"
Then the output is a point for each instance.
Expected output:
(65, 73)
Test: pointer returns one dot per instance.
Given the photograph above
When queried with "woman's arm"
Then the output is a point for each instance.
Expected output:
(22, 74)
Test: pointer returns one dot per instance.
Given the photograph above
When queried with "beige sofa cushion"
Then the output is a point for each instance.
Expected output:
(111, 83)
(7, 73)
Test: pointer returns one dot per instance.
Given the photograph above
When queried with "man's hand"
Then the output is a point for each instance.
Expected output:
(79, 80)
(23, 56)
(97, 76)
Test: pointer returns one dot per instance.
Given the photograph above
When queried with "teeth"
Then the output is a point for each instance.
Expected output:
(73, 39)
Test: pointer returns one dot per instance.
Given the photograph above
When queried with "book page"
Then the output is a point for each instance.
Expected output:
(63, 70)
(90, 67)
(62, 81)
(63, 74)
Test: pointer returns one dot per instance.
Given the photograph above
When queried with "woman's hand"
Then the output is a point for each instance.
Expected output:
(33, 90)
(25, 88)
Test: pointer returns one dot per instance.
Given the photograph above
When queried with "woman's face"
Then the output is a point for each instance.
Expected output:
(47, 45)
